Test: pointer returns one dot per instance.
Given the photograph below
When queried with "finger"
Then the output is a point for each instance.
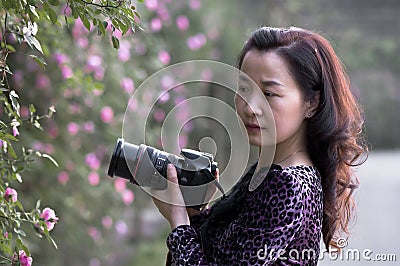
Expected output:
(171, 174)
(217, 174)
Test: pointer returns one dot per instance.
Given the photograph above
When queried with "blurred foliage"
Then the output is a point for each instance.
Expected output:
(107, 221)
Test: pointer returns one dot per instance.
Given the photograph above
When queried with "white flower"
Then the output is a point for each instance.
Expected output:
(31, 30)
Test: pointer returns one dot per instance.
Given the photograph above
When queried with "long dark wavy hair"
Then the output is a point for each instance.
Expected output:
(335, 141)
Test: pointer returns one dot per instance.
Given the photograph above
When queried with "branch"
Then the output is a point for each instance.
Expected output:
(103, 6)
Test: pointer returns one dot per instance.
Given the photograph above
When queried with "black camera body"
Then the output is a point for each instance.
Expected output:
(147, 167)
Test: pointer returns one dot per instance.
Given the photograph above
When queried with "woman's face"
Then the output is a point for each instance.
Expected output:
(279, 90)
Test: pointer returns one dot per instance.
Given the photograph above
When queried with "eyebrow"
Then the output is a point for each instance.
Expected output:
(265, 83)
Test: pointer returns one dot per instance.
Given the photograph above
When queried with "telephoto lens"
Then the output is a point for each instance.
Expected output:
(147, 167)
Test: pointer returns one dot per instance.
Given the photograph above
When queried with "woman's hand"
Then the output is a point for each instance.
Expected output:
(170, 201)
(212, 189)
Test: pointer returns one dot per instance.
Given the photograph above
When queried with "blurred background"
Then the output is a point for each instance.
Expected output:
(106, 221)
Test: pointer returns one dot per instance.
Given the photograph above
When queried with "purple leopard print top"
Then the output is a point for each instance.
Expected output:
(279, 223)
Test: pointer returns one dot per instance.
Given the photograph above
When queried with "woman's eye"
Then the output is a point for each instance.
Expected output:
(268, 94)
(243, 89)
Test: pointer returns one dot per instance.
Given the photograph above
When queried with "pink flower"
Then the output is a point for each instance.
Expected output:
(24, 112)
(196, 42)
(140, 49)
(195, 4)
(151, 4)
(66, 72)
(107, 114)
(183, 140)
(22, 258)
(133, 105)
(93, 62)
(121, 227)
(124, 53)
(89, 127)
(73, 128)
(164, 57)
(163, 13)
(94, 233)
(119, 184)
(107, 222)
(82, 42)
(182, 22)
(159, 115)
(53, 131)
(92, 161)
(156, 24)
(49, 216)
(42, 81)
(164, 97)
(18, 78)
(167, 81)
(93, 178)
(15, 131)
(61, 58)
(63, 177)
(128, 197)
(11, 194)
(128, 85)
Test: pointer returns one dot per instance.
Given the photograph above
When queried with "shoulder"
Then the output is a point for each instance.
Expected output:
(288, 182)
(293, 176)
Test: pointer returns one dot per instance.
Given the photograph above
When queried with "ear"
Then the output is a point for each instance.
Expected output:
(312, 105)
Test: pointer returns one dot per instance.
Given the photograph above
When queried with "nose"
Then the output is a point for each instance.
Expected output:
(252, 107)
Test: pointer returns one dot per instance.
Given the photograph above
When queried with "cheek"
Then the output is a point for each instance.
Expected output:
(239, 104)
(288, 119)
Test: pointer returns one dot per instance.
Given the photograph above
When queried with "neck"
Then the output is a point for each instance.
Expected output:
(293, 150)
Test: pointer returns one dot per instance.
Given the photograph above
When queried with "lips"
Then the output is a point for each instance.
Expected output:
(253, 126)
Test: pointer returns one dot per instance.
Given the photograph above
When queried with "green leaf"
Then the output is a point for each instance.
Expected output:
(38, 204)
(98, 86)
(18, 177)
(102, 27)
(50, 158)
(19, 232)
(20, 206)
(115, 42)
(37, 125)
(34, 43)
(13, 97)
(39, 60)
(11, 151)
(33, 15)
(32, 109)
(3, 125)
(20, 245)
(86, 22)
(51, 240)
(51, 111)
(10, 48)
(6, 137)
(54, 2)
(53, 16)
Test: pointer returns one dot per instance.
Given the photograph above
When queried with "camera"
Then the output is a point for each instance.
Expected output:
(147, 167)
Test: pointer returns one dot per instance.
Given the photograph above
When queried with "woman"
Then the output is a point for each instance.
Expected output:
(307, 190)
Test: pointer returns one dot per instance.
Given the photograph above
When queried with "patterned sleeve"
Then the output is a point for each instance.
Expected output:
(197, 220)
(258, 236)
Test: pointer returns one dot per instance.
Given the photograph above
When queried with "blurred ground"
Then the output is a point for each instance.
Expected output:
(378, 214)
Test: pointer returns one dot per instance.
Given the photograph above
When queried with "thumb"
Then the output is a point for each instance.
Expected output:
(171, 173)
